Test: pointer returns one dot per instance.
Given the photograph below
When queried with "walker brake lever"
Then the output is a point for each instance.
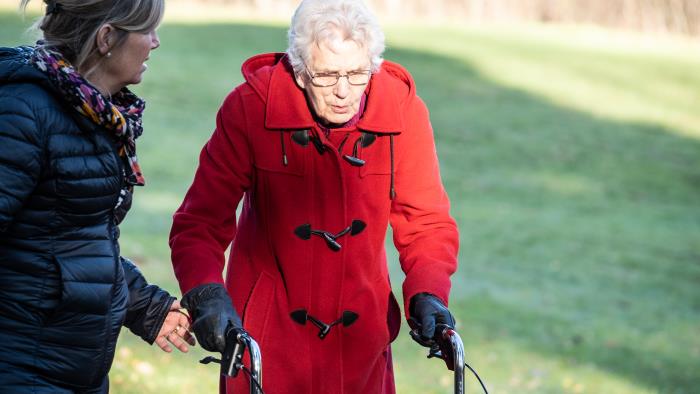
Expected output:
(210, 359)
(232, 357)
(441, 348)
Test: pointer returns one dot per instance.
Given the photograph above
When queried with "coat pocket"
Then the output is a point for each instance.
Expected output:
(86, 285)
(393, 317)
(257, 308)
(52, 294)
(377, 157)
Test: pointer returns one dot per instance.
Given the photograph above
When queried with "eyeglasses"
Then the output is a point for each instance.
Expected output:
(324, 80)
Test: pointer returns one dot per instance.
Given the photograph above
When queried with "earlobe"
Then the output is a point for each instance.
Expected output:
(104, 39)
(300, 80)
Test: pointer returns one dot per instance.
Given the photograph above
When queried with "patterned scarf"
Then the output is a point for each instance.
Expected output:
(120, 114)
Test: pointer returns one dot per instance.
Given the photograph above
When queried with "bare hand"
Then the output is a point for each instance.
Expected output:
(175, 330)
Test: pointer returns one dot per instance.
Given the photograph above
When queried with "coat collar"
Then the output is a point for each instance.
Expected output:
(287, 107)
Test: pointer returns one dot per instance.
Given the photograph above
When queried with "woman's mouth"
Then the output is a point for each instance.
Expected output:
(340, 109)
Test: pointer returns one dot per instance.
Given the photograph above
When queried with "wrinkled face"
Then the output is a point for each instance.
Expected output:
(336, 104)
(127, 64)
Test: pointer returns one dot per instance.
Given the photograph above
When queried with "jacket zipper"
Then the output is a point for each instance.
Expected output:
(106, 361)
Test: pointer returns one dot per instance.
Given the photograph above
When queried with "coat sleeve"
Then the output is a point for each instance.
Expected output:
(21, 153)
(205, 224)
(148, 304)
(425, 234)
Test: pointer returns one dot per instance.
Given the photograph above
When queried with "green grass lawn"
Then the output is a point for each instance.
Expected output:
(572, 159)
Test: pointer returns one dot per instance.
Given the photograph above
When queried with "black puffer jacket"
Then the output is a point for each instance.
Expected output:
(64, 290)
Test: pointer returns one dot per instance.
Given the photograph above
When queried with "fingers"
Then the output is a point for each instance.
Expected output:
(428, 327)
(179, 337)
(416, 336)
(175, 331)
(211, 333)
(185, 332)
(448, 319)
(176, 338)
(217, 342)
(163, 344)
(189, 338)
(177, 307)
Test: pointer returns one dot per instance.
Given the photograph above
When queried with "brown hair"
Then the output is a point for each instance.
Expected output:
(71, 28)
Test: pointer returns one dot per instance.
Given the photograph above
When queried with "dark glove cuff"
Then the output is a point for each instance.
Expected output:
(212, 313)
(207, 294)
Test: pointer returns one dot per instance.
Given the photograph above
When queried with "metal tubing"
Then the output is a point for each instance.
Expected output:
(458, 352)
(255, 364)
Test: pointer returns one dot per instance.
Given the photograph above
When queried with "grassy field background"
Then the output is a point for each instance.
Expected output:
(572, 158)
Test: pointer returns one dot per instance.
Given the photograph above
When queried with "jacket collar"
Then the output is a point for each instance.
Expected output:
(287, 107)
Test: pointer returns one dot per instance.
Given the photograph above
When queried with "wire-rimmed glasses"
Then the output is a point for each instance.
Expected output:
(327, 79)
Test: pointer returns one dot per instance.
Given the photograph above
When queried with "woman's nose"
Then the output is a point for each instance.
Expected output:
(155, 40)
(342, 88)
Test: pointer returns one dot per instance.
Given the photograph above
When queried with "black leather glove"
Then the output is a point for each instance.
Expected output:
(427, 311)
(212, 313)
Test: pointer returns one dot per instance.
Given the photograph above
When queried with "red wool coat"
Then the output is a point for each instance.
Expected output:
(268, 151)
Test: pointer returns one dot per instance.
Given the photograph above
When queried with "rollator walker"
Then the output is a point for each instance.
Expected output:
(450, 349)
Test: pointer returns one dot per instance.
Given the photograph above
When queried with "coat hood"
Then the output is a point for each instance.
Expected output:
(15, 68)
(272, 79)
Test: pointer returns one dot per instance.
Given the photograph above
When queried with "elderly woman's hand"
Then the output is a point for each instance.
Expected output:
(175, 330)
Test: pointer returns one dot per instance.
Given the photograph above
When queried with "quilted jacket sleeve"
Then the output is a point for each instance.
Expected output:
(21, 153)
(148, 304)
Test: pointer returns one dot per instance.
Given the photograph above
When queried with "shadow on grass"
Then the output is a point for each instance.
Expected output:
(579, 234)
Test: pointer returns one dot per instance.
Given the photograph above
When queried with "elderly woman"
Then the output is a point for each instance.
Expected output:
(68, 168)
(326, 145)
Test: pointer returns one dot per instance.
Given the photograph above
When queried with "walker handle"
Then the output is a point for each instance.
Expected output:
(237, 341)
(449, 348)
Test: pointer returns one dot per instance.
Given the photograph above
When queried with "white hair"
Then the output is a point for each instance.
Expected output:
(316, 21)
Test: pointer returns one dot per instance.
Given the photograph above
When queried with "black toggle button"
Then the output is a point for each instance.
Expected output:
(330, 241)
(368, 139)
(357, 226)
(301, 137)
(305, 232)
(349, 317)
(301, 316)
(354, 161)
